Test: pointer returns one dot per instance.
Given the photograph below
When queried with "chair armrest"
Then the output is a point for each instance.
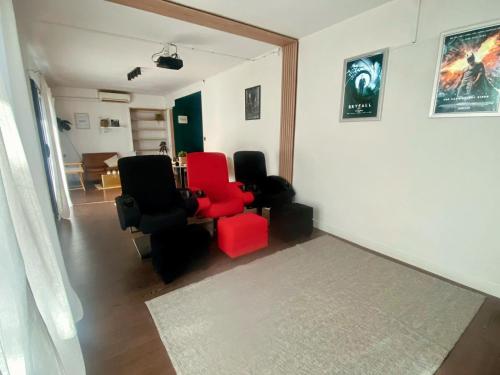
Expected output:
(185, 193)
(242, 186)
(235, 190)
(197, 191)
(189, 201)
(202, 201)
(128, 211)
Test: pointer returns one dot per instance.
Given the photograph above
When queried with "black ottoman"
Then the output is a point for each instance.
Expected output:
(291, 221)
(173, 251)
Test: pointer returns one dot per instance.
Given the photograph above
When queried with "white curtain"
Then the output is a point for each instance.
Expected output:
(60, 185)
(38, 307)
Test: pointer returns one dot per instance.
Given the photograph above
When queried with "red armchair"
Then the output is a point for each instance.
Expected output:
(207, 173)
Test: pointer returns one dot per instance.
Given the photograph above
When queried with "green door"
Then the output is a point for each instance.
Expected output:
(188, 123)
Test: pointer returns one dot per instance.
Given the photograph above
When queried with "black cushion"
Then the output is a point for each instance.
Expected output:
(173, 251)
(292, 221)
(175, 217)
(276, 192)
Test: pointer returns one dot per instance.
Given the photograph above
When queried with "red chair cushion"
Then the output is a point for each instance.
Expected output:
(224, 208)
(242, 234)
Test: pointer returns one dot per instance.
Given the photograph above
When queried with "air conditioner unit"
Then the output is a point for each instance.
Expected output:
(114, 97)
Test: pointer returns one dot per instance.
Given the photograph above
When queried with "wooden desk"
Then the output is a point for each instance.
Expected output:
(111, 181)
(75, 169)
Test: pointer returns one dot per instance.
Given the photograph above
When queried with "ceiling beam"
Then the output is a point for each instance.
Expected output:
(207, 19)
(289, 61)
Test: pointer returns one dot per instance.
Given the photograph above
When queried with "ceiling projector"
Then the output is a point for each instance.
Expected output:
(169, 62)
(166, 60)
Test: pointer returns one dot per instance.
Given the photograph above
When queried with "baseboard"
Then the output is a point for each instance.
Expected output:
(484, 286)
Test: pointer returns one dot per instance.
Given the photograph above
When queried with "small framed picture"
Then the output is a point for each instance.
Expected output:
(82, 121)
(363, 87)
(105, 123)
(252, 103)
(467, 81)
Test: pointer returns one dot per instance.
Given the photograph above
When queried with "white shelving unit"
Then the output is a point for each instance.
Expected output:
(149, 128)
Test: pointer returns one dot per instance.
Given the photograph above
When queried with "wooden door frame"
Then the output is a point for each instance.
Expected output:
(289, 47)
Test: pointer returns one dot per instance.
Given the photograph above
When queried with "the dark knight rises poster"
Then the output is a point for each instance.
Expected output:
(363, 86)
(468, 73)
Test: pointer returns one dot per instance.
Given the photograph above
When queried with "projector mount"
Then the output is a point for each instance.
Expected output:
(167, 60)
(166, 52)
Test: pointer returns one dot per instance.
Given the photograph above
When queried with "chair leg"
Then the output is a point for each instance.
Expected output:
(143, 245)
(82, 183)
(215, 221)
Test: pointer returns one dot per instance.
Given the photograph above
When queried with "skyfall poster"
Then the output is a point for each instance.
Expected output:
(363, 86)
(468, 73)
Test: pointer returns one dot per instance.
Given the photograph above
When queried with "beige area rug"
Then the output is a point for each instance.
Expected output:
(322, 307)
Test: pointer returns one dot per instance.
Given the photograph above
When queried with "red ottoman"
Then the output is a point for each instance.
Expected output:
(242, 234)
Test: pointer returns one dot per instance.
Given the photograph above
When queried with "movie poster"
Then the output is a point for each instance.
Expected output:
(468, 73)
(252, 103)
(363, 86)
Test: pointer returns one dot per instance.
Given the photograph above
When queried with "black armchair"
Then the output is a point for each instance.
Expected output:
(269, 191)
(150, 201)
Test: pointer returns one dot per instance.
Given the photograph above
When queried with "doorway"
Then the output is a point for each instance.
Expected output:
(188, 123)
(44, 143)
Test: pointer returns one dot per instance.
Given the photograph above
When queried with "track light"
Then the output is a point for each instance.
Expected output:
(134, 73)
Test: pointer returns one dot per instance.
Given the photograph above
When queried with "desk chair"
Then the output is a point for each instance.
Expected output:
(75, 168)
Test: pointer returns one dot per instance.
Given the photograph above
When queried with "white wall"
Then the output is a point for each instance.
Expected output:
(69, 101)
(422, 190)
(223, 101)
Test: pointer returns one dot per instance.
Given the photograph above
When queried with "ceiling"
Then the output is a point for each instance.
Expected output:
(295, 18)
(95, 43)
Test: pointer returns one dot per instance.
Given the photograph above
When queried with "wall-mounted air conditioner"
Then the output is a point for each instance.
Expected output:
(114, 97)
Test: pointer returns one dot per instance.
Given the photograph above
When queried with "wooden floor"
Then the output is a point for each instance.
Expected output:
(117, 333)
(92, 195)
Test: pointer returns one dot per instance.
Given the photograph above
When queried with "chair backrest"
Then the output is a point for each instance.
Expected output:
(208, 171)
(150, 181)
(249, 167)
